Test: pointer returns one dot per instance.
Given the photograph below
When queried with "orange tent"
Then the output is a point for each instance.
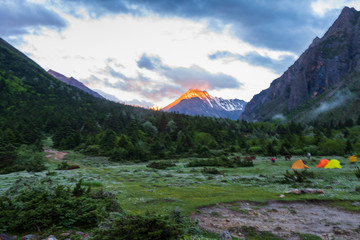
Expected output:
(322, 163)
(299, 164)
(352, 159)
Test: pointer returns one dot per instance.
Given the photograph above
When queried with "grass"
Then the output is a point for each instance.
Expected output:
(140, 189)
(252, 233)
(308, 236)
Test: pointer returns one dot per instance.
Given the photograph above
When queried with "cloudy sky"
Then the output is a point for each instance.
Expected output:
(149, 52)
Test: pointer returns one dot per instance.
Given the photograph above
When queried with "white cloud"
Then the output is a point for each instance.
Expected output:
(88, 46)
(321, 7)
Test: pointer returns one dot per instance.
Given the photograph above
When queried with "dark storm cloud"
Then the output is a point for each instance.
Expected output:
(18, 17)
(281, 25)
(192, 77)
(255, 59)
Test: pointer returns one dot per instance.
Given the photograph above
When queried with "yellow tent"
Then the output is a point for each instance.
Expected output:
(299, 164)
(352, 159)
(333, 164)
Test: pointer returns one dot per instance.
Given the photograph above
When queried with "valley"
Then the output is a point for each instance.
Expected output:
(75, 165)
(140, 189)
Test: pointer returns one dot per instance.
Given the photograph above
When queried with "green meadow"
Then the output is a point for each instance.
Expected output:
(140, 188)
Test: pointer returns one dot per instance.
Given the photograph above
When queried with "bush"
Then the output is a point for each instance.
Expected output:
(357, 172)
(161, 165)
(253, 233)
(203, 151)
(36, 204)
(26, 157)
(297, 176)
(151, 226)
(221, 162)
(66, 166)
(206, 170)
(256, 150)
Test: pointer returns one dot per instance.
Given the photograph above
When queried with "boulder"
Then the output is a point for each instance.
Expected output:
(225, 236)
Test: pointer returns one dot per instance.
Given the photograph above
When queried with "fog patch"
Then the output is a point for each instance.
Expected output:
(279, 117)
(339, 99)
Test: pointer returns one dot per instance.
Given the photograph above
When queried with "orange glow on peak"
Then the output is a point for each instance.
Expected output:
(155, 108)
(192, 93)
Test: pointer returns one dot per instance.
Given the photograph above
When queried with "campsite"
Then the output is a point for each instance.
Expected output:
(179, 120)
(225, 200)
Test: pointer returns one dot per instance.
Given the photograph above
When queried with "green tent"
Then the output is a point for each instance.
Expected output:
(333, 164)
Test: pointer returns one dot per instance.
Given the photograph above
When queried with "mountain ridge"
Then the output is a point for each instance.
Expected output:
(196, 102)
(73, 82)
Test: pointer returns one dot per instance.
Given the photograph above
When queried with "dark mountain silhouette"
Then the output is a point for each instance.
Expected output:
(73, 82)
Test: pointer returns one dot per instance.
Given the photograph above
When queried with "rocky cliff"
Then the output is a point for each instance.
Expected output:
(323, 66)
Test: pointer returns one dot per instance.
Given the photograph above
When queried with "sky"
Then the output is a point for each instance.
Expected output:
(148, 53)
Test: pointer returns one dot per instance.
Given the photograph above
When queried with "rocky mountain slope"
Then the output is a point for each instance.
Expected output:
(73, 82)
(200, 103)
(324, 78)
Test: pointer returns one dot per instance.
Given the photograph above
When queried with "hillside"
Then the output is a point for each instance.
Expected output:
(35, 105)
(200, 103)
(324, 78)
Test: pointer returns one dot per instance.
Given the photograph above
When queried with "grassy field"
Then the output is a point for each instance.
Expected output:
(140, 188)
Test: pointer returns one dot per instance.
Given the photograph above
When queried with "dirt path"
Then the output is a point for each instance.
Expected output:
(53, 154)
(282, 219)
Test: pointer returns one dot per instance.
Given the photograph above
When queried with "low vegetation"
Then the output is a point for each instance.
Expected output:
(34, 204)
(64, 165)
(222, 162)
(298, 176)
(161, 165)
(113, 193)
(150, 226)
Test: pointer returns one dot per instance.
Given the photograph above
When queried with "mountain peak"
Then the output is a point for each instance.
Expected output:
(346, 10)
(346, 20)
(191, 93)
(199, 102)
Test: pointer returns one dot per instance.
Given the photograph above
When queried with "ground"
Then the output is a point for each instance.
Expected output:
(283, 219)
(254, 196)
(53, 154)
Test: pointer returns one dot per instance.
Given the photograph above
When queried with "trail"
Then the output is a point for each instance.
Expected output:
(53, 154)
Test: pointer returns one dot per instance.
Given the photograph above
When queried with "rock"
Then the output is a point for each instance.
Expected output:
(225, 236)
(282, 196)
(338, 230)
(296, 191)
(65, 234)
(312, 191)
(30, 237)
(51, 237)
(228, 220)
(5, 237)
(356, 204)
(306, 191)
(80, 233)
(277, 229)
